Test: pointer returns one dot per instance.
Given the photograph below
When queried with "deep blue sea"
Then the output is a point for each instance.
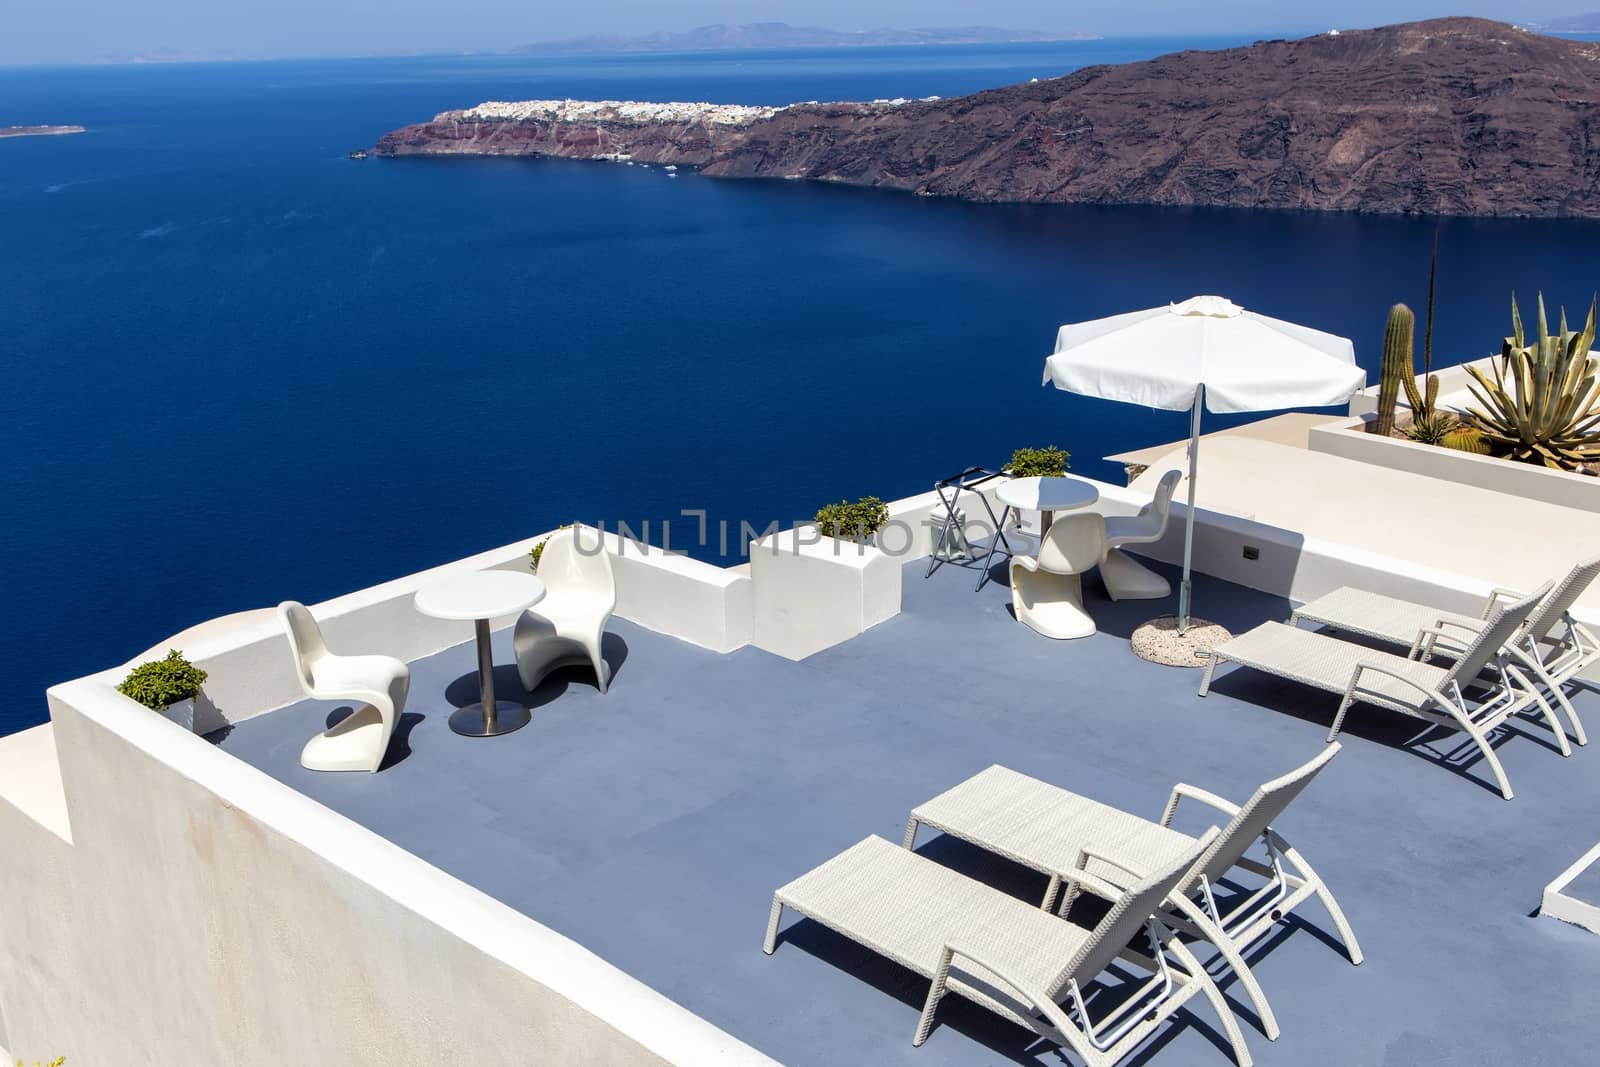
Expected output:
(240, 368)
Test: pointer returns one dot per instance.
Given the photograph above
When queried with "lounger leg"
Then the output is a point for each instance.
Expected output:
(771, 944)
(1324, 894)
(1550, 717)
(1050, 892)
(935, 994)
(911, 832)
(1542, 676)
(1570, 712)
(1230, 953)
(1488, 754)
(1211, 665)
(1230, 1025)
(1338, 719)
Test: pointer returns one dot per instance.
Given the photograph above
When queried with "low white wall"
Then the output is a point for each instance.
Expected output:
(706, 605)
(1557, 904)
(204, 913)
(1301, 569)
(1348, 439)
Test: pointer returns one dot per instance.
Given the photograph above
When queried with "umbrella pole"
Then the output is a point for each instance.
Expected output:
(1188, 526)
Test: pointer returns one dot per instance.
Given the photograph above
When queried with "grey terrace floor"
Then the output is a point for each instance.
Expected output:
(653, 824)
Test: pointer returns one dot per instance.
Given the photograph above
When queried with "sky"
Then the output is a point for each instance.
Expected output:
(66, 31)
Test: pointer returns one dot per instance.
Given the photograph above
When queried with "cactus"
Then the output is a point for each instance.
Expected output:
(1430, 428)
(1466, 439)
(1543, 403)
(1396, 365)
(1423, 402)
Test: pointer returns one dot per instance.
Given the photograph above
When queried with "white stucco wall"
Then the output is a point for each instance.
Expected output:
(204, 913)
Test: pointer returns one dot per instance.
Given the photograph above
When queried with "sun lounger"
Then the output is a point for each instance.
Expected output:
(1552, 646)
(1426, 691)
(1022, 963)
(1050, 829)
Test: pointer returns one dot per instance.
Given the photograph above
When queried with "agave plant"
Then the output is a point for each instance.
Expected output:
(1543, 403)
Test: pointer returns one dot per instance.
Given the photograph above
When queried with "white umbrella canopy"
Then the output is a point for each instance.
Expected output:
(1204, 352)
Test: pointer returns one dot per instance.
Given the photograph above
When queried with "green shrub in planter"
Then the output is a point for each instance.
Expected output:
(1039, 462)
(853, 522)
(163, 682)
(537, 551)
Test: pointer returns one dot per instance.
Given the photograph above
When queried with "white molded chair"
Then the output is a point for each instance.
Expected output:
(567, 626)
(1124, 578)
(1047, 590)
(360, 740)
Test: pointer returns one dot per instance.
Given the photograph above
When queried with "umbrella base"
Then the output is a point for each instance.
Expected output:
(1160, 642)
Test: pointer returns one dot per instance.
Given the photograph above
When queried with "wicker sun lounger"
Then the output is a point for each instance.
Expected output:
(1423, 690)
(1022, 963)
(1552, 646)
(1049, 829)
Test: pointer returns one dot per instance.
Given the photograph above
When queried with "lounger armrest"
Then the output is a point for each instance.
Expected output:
(1193, 792)
(1087, 853)
(1362, 668)
(1100, 887)
(1501, 593)
(1429, 636)
(952, 949)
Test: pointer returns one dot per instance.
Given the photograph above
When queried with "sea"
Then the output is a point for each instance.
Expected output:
(240, 367)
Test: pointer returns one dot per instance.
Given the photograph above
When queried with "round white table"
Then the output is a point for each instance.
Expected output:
(1044, 495)
(480, 597)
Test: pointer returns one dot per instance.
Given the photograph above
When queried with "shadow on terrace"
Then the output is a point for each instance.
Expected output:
(652, 825)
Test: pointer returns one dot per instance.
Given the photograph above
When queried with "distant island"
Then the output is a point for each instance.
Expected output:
(1457, 116)
(723, 38)
(1589, 23)
(39, 131)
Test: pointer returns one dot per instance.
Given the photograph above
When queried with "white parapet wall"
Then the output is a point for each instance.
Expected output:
(252, 672)
(204, 913)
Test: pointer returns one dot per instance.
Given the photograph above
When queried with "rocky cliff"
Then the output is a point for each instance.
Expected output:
(1449, 116)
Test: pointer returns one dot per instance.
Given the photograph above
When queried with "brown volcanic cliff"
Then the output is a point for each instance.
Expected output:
(1451, 116)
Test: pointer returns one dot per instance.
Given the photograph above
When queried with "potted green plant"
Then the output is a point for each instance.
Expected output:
(856, 522)
(536, 553)
(1049, 462)
(168, 686)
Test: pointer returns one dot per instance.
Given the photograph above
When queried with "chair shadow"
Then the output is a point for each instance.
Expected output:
(464, 690)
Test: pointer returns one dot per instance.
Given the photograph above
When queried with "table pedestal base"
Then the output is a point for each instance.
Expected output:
(471, 721)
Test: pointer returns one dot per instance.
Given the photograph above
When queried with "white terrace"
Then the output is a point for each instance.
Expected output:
(594, 888)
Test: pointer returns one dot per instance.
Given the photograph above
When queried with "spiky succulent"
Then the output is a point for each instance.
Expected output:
(1431, 428)
(1543, 403)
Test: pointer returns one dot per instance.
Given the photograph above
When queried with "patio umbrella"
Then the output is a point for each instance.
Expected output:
(1205, 351)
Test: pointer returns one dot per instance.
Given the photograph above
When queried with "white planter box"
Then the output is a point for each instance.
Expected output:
(181, 713)
(1349, 440)
(811, 594)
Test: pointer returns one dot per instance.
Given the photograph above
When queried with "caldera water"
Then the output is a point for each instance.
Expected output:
(240, 367)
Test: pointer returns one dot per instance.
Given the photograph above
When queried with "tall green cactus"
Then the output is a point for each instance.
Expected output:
(1424, 401)
(1397, 367)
